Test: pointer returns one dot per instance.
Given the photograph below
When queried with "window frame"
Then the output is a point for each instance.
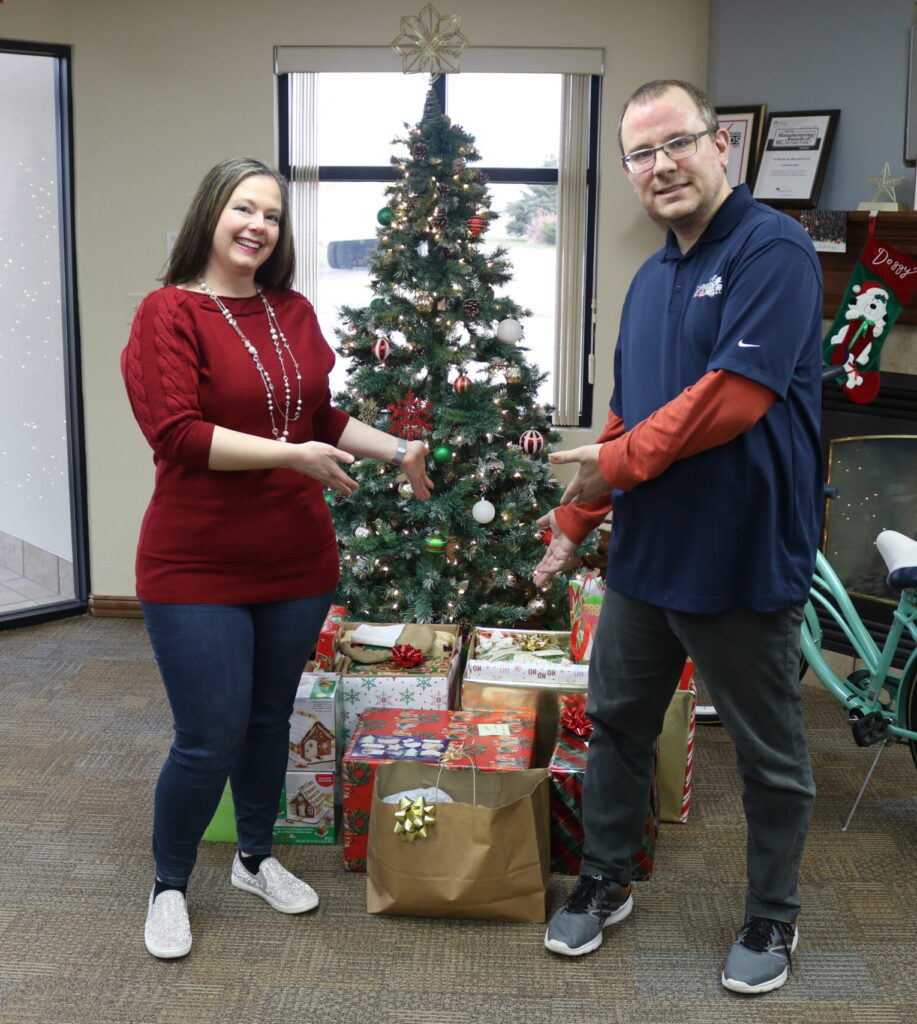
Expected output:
(71, 354)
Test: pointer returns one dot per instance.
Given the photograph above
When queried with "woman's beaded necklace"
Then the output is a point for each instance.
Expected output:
(280, 346)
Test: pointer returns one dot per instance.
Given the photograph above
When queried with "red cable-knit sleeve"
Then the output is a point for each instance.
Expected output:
(719, 407)
(161, 369)
(577, 521)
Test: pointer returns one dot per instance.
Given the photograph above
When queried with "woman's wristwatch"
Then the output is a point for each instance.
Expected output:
(400, 451)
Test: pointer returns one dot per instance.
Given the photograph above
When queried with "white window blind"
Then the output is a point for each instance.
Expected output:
(571, 331)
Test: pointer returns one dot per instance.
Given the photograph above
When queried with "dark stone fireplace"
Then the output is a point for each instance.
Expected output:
(893, 413)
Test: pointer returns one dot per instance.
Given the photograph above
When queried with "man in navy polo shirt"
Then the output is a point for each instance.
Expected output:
(711, 459)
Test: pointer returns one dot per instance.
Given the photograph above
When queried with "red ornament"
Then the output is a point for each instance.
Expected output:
(406, 656)
(531, 442)
(546, 535)
(461, 383)
(381, 349)
(477, 225)
(410, 418)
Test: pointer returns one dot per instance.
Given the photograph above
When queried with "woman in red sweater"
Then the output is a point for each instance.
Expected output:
(227, 374)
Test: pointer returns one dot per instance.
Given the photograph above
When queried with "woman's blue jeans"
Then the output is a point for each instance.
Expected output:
(230, 673)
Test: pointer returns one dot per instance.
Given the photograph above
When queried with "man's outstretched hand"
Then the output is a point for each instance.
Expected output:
(558, 554)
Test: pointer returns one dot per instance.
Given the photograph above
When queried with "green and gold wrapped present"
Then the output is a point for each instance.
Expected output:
(523, 670)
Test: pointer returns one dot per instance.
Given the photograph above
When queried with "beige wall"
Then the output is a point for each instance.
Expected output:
(163, 90)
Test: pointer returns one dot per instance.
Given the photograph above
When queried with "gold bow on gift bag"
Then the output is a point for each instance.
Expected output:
(486, 855)
(412, 818)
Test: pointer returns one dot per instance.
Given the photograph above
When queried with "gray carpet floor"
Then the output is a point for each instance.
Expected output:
(84, 727)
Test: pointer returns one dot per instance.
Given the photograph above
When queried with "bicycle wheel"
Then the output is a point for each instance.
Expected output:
(909, 696)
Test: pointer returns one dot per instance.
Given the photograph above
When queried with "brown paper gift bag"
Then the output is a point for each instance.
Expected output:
(487, 856)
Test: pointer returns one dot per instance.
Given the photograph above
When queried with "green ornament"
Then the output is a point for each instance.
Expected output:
(442, 453)
(435, 542)
(385, 216)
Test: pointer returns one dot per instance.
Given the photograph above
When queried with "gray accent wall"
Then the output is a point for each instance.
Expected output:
(823, 54)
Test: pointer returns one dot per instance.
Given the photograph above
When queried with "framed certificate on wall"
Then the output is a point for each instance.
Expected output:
(745, 126)
(796, 150)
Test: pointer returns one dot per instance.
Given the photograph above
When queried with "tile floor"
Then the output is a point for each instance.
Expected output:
(18, 593)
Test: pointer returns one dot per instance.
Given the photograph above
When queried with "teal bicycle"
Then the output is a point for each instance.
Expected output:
(881, 703)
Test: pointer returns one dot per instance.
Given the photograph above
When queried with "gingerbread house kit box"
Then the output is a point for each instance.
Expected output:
(307, 812)
(317, 722)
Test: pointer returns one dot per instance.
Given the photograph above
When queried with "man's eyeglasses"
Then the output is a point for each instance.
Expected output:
(675, 149)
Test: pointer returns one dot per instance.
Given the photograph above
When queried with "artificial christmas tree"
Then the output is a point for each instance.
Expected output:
(436, 356)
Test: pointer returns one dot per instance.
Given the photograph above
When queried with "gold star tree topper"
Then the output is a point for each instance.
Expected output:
(430, 42)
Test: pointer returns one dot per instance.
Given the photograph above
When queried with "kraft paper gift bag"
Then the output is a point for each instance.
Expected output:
(486, 856)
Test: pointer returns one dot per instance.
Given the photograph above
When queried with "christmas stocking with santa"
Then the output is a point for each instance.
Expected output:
(882, 284)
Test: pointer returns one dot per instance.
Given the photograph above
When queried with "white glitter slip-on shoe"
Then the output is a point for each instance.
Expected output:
(167, 933)
(274, 884)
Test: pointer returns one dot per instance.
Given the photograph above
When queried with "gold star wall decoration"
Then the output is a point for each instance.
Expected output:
(430, 42)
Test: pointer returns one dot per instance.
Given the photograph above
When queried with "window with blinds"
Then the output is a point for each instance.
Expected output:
(534, 116)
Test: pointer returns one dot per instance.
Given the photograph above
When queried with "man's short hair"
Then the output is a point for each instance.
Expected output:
(653, 90)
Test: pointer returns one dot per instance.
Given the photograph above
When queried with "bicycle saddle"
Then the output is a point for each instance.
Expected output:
(900, 555)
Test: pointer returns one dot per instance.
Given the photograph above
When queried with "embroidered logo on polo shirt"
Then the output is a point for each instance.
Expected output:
(712, 287)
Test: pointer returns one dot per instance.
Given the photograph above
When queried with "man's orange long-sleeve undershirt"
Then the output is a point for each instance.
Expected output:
(719, 407)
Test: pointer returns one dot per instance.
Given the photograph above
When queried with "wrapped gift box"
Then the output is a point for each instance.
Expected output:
(222, 827)
(585, 596)
(524, 683)
(326, 646)
(431, 686)
(522, 654)
(317, 722)
(307, 813)
(496, 740)
(567, 768)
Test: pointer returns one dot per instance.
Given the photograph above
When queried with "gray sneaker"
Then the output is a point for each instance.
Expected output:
(273, 883)
(167, 933)
(595, 903)
(760, 957)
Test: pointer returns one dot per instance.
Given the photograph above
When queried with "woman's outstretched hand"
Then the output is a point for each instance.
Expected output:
(320, 461)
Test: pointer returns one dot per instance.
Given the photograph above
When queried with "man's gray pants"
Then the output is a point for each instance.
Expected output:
(750, 665)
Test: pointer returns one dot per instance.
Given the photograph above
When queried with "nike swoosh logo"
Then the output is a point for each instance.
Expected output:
(747, 344)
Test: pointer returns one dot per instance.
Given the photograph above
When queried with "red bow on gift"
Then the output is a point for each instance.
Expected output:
(406, 656)
(573, 717)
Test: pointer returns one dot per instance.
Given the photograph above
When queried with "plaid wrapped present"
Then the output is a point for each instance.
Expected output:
(567, 768)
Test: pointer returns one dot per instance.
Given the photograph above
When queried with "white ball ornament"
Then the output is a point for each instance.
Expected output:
(362, 532)
(531, 442)
(483, 511)
(509, 330)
